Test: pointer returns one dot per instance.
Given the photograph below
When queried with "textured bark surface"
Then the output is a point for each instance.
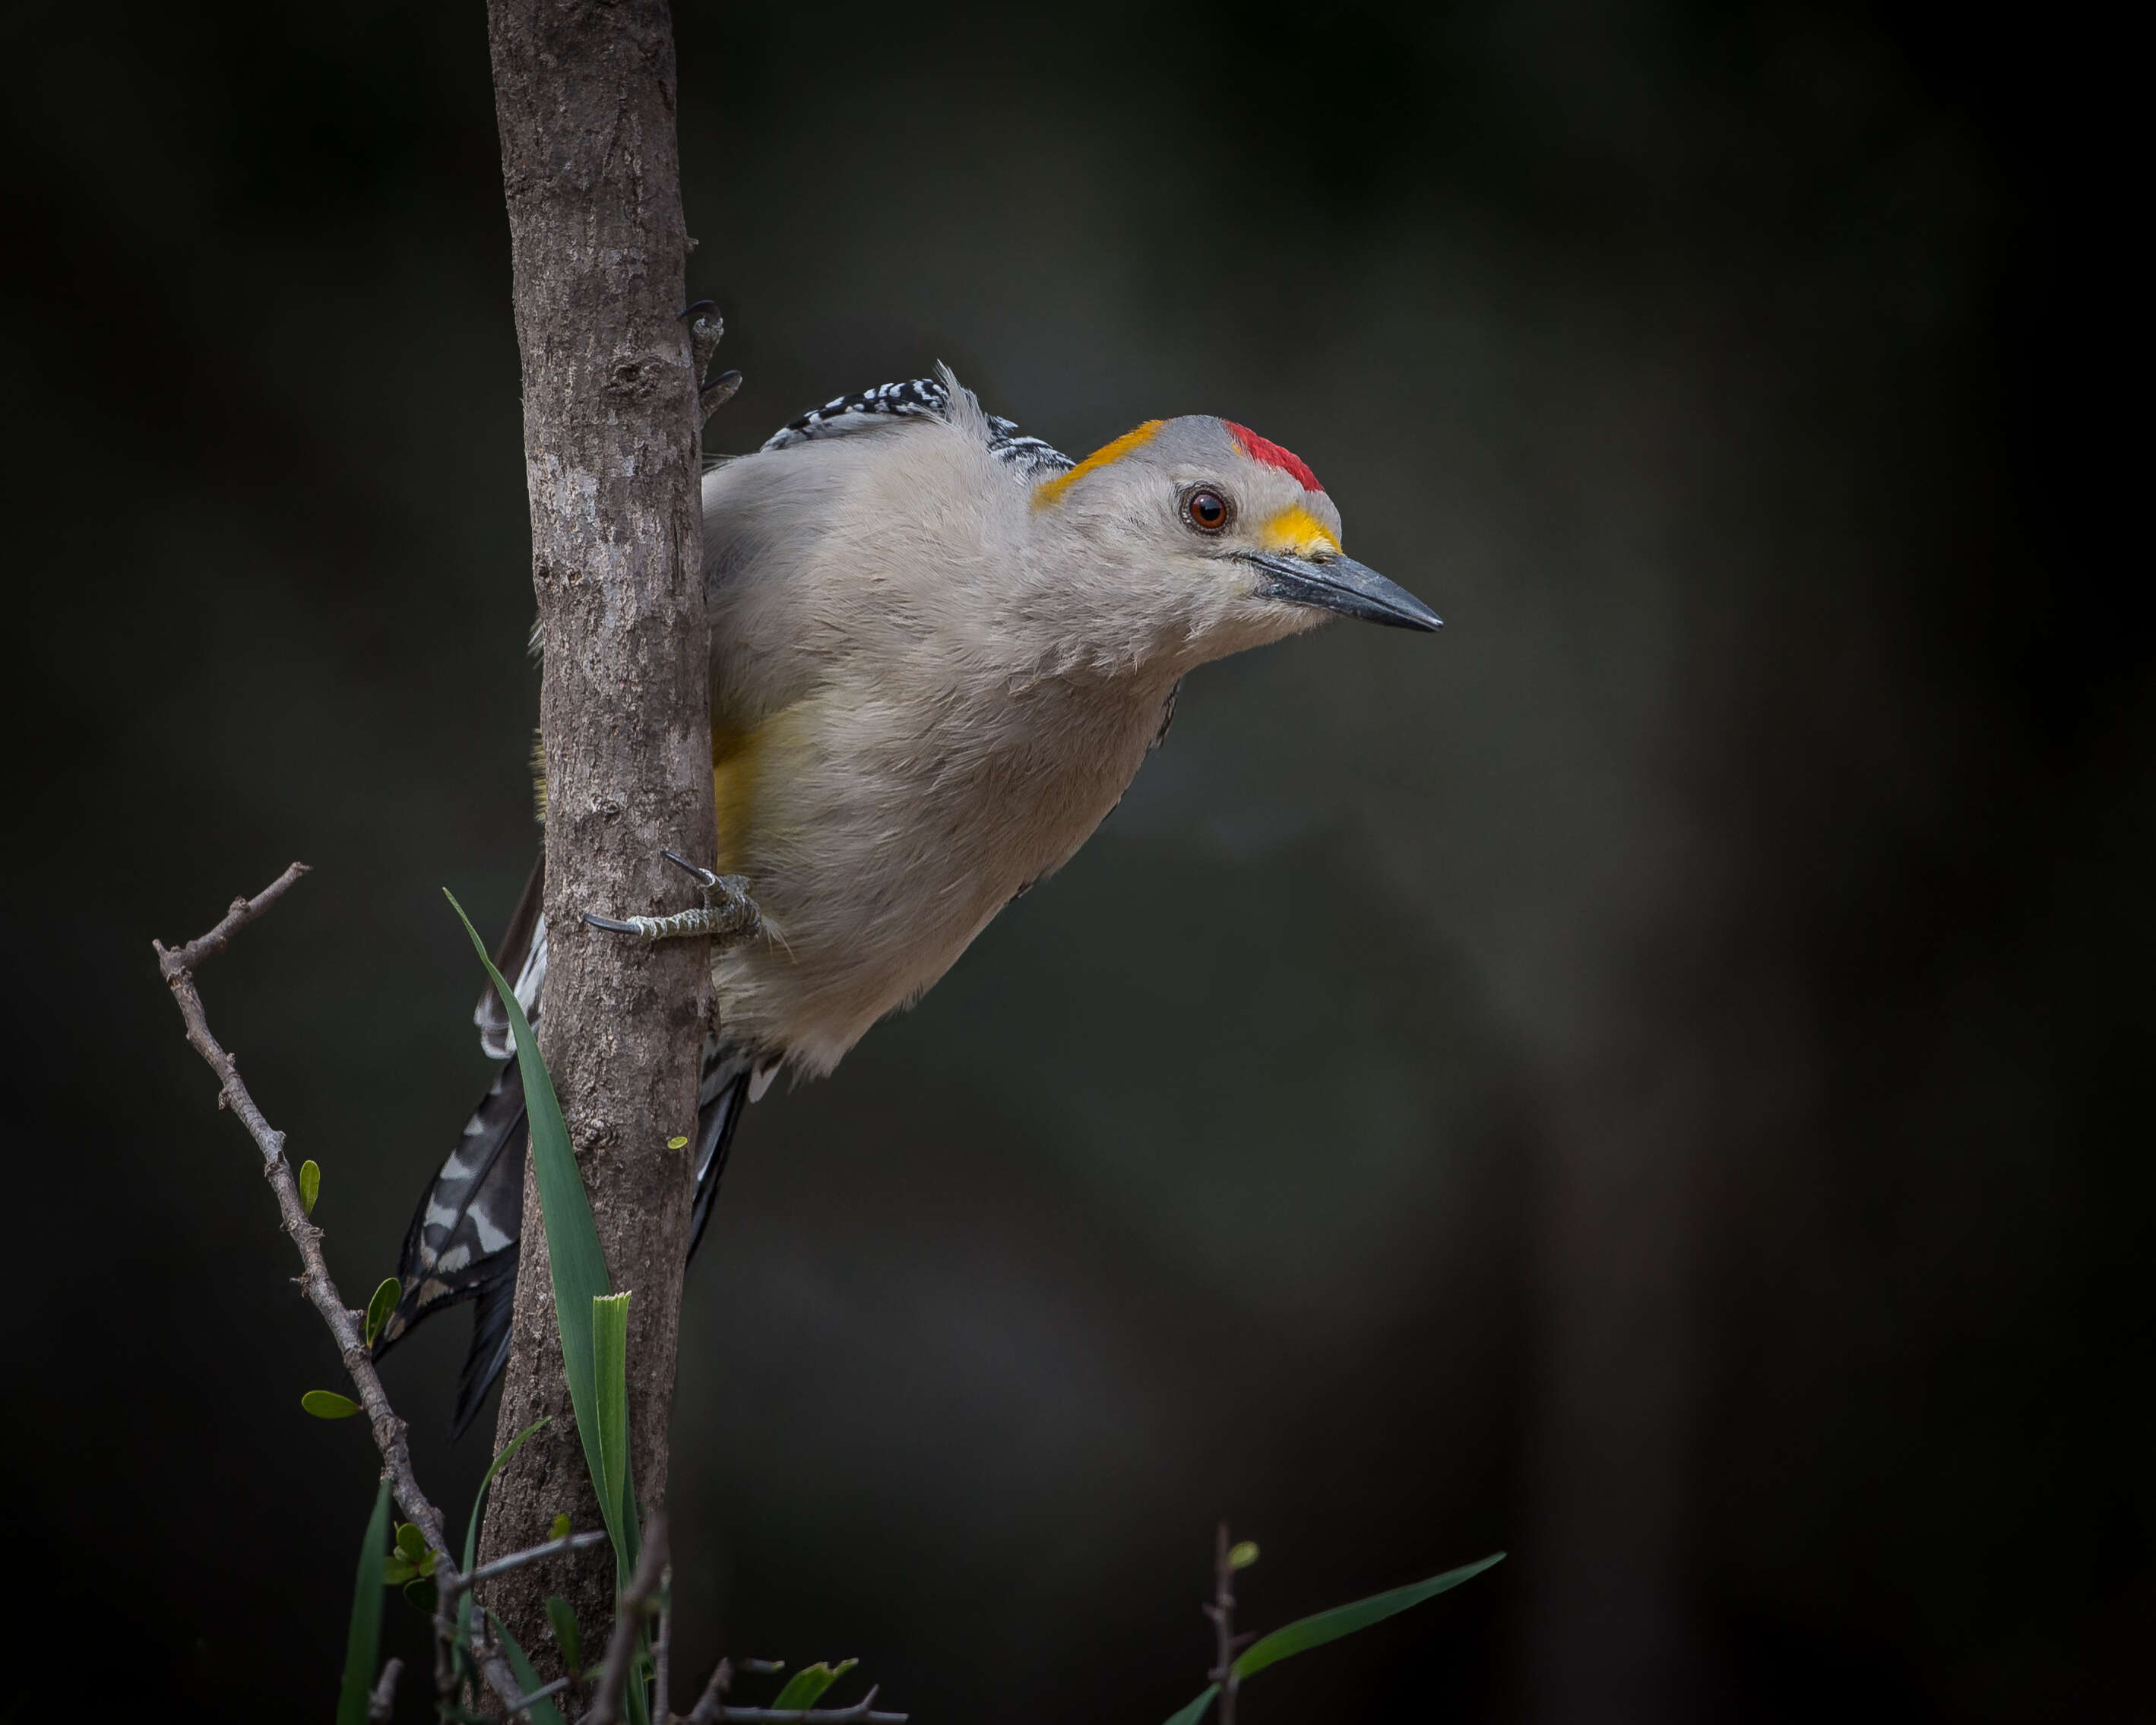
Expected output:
(584, 96)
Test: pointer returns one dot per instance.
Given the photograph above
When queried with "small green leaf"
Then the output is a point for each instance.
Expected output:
(1315, 1631)
(558, 1528)
(395, 1571)
(411, 1543)
(420, 1594)
(541, 1712)
(1196, 1711)
(381, 1305)
(1242, 1555)
(563, 1617)
(362, 1645)
(328, 1405)
(807, 1685)
(677, 1143)
(311, 1185)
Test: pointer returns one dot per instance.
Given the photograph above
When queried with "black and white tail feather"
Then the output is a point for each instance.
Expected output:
(462, 1244)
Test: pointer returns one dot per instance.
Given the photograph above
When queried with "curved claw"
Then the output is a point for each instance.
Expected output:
(704, 875)
(700, 305)
(608, 924)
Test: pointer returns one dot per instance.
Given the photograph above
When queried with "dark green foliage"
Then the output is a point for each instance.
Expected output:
(806, 1686)
(363, 1641)
(1321, 1627)
(1315, 1630)
(541, 1712)
(380, 1305)
(567, 1635)
(579, 1267)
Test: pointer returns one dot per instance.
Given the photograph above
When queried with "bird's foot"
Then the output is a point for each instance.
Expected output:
(705, 328)
(727, 915)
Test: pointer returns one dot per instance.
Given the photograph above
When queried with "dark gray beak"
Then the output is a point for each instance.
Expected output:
(1337, 584)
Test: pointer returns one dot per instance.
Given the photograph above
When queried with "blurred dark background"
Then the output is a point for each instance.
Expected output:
(1652, 1078)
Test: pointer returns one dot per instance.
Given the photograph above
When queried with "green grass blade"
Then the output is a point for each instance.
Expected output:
(573, 1242)
(610, 1370)
(363, 1646)
(1307, 1632)
(806, 1686)
(486, 1479)
(1196, 1711)
(479, 1506)
(541, 1712)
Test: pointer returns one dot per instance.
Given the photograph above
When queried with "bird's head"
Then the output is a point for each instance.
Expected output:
(1228, 536)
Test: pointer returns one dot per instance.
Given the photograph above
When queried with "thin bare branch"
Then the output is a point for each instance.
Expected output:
(862, 1710)
(383, 1701)
(501, 1681)
(546, 1691)
(662, 1676)
(1222, 1610)
(706, 1709)
(710, 1708)
(629, 1617)
(532, 1554)
(193, 956)
(178, 968)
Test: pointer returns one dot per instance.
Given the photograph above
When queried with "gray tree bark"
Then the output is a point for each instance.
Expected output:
(584, 97)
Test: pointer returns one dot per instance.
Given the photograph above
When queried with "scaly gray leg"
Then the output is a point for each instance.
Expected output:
(728, 915)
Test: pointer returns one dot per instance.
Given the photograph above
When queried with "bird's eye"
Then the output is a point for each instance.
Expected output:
(1205, 510)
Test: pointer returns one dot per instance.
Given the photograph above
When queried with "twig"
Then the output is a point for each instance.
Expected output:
(541, 1693)
(383, 1702)
(710, 1706)
(193, 956)
(860, 1710)
(501, 1681)
(706, 1709)
(651, 1563)
(662, 1647)
(178, 969)
(532, 1554)
(1222, 1611)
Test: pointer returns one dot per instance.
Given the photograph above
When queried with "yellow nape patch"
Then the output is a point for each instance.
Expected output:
(1050, 491)
(1299, 532)
(735, 760)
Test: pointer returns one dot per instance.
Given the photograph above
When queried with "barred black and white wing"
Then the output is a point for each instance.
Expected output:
(1031, 458)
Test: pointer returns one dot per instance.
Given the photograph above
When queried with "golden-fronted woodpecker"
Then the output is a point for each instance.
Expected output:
(940, 652)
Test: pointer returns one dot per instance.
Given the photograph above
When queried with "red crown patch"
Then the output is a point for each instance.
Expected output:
(1265, 450)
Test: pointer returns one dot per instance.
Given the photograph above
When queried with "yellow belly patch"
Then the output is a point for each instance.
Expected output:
(737, 760)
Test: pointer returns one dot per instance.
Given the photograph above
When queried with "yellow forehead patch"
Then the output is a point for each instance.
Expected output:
(1050, 491)
(1296, 531)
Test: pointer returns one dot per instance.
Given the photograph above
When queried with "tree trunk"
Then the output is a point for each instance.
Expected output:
(584, 96)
